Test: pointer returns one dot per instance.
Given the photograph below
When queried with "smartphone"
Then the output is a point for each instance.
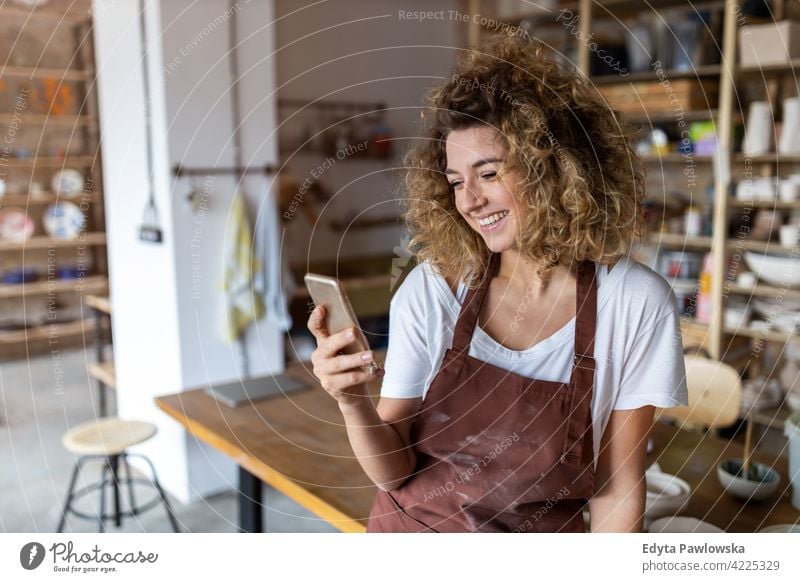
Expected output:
(339, 313)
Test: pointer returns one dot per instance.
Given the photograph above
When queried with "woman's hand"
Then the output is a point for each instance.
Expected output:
(342, 376)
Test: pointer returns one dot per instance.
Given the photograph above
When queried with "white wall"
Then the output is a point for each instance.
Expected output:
(360, 50)
(167, 304)
(198, 92)
(147, 346)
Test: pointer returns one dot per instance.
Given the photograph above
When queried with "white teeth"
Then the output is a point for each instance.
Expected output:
(493, 218)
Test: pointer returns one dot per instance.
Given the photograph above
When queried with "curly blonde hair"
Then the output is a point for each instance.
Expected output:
(579, 177)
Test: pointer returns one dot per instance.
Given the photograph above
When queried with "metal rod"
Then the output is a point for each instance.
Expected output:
(267, 169)
(323, 104)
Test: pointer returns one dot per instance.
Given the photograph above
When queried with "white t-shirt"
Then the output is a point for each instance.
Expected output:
(638, 347)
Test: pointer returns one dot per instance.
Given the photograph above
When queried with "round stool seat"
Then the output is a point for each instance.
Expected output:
(107, 436)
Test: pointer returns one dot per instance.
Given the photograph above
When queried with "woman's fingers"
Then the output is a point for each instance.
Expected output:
(342, 363)
(335, 383)
(335, 343)
(316, 324)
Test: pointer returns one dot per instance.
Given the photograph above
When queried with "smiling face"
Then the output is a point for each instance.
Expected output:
(474, 156)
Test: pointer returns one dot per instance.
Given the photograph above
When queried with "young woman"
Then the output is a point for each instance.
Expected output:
(527, 350)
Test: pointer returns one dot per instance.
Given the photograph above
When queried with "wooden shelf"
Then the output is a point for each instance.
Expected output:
(770, 204)
(51, 162)
(675, 157)
(92, 284)
(773, 336)
(45, 242)
(681, 241)
(773, 158)
(48, 198)
(105, 372)
(702, 71)
(671, 116)
(790, 67)
(46, 72)
(47, 332)
(774, 416)
(7, 10)
(51, 120)
(765, 291)
(772, 246)
(624, 8)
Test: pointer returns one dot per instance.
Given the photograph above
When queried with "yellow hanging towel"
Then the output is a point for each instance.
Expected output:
(242, 304)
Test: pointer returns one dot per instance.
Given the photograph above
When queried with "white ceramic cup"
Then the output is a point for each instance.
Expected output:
(788, 235)
(790, 135)
(789, 190)
(765, 189)
(758, 131)
(746, 279)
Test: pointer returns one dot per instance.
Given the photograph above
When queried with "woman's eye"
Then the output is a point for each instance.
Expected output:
(489, 175)
(455, 185)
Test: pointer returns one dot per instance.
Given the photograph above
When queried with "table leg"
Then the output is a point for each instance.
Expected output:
(98, 344)
(250, 517)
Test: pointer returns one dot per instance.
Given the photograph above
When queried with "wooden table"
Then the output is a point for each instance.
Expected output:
(297, 444)
(694, 457)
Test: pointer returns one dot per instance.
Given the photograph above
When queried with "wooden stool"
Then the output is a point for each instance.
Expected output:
(106, 440)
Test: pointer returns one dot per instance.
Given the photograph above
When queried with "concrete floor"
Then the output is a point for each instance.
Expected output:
(35, 413)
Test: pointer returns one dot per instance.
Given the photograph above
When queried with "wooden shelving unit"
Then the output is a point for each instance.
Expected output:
(45, 162)
(26, 200)
(59, 108)
(727, 110)
(49, 120)
(84, 74)
(44, 332)
(93, 284)
(46, 242)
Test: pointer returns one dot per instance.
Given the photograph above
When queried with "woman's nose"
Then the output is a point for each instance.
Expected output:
(473, 196)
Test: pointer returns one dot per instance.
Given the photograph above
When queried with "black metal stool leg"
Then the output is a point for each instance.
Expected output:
(129, 480)
(101, 524)
(68, 501)
(114, 467)
(164, 499)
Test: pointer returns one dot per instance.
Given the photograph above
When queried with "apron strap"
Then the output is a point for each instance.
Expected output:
(579, 419)
(468, 316)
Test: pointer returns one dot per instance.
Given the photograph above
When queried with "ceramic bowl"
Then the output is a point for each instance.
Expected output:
(772, 308)
(793, 401)
(776, 269)
(781, 528)
(666, 494)
(682, 524)
(745, 488)
(737, 316)
(787, 321)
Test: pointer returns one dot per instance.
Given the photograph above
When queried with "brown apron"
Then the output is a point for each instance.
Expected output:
(496, 451)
